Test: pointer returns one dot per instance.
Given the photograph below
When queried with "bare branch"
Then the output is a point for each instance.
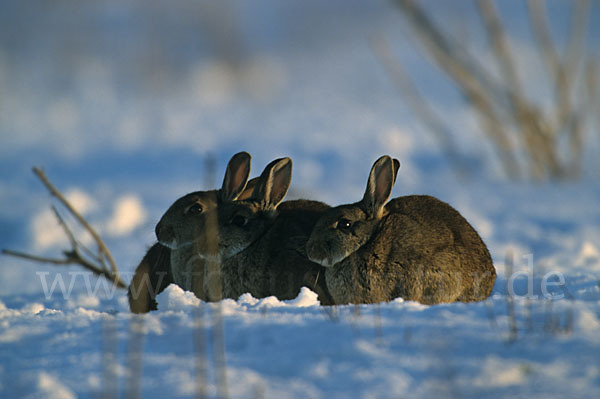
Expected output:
(75, 244)
(71, 258)
(563, 72)
(577, 36)
(102, 248)
(450, 54)
(574, 56)
(477, 87)
(502, 52)
(74, 255)
(593, 93)
(539, 24)
(415, 100)
(66, 229)
(519, 127)
(536, 133)
(35, 258)
(541, 31)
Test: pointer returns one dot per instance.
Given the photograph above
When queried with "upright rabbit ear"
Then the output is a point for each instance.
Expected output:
(396, 168)
(249, 189)
(236, 176)
(379, 186)
(274, 182)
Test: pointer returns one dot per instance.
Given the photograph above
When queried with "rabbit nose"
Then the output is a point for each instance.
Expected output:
(163, 233)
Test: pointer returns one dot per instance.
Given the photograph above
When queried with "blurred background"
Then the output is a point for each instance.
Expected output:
(128, 105)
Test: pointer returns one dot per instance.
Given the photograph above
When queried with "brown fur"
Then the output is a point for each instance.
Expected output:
(277, 264)
(159, 260)
(151, 277)
(215, 255)
(416, 247)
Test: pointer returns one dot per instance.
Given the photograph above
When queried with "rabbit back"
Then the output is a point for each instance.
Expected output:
(447, 229)
(277, 263)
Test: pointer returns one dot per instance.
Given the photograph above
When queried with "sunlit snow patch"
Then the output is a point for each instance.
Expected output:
(175, 298)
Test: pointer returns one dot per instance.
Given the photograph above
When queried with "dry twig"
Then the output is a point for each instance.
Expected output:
(416, 101)
(100, 263)
(507, 113)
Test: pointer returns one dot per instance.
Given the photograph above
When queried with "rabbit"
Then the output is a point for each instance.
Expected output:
(260, 244)
(275, 264)
(154, 273)
(415, 247)
(199, 209)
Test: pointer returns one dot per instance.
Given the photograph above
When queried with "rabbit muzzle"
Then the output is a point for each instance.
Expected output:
(322, 252)
(166, 236)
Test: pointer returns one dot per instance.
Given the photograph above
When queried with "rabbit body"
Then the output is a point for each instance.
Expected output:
(240, 243)
(415, 247)
(276, 264)
(173, 259)
(422, 250)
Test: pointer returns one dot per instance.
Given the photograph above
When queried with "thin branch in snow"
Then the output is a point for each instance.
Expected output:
(100, 263)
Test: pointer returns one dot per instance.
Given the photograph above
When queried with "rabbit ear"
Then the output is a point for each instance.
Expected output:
(379, 186)
(236, 176)
(249, 190)
(396, 168)
(274, 182)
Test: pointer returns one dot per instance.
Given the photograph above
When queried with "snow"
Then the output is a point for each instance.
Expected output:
(174, 298)
(46, 230)
(50, 388)
(130, 116)
(128, 214)
(290, 349)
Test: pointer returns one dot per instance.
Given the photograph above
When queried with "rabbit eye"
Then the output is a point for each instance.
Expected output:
(344, 224)
(239, 220)
(194, 209)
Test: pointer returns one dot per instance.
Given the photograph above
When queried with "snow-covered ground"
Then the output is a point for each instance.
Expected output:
(124, 103)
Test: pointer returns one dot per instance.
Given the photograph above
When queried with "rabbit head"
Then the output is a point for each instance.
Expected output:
(242, 222)
(222, 223)
(192, 219)
(344, 229)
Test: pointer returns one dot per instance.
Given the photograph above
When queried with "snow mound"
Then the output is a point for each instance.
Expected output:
(305, 298)
(176, 299)
(85, 301)
(33, 308)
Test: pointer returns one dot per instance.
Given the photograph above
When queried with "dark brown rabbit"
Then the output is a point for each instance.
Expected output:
(276, 263)
(260, 247)
(415, 247)
(154, 273)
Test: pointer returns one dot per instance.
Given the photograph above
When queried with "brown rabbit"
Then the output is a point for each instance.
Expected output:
(415, 247)
(154, 273)
(260, 245)
(276, 263)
